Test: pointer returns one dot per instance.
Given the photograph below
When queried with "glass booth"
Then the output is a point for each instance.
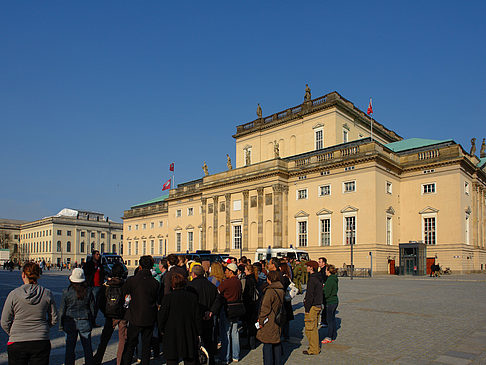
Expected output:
(413, 258)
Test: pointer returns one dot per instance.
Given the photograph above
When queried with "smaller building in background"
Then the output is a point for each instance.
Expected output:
(10, 238)
(69, 236)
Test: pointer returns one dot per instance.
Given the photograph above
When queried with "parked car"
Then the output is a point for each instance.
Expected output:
(268, 253)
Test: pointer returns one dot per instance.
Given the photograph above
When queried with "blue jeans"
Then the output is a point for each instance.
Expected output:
(96, 290)
(73, 327)
(272, 353)
(331, 321)
(229, 336)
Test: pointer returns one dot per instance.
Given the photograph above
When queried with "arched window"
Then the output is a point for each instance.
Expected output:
(68, 246)
(113, 248)
(59, 247)
(81, 247)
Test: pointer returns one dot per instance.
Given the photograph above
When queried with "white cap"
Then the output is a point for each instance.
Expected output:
(232, 267)
(77, 276)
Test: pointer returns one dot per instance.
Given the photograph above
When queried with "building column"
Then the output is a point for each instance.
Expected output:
(277, 215)
(260, 216)
(285, 217)
(215, 223)
(227, 198)
(246, 194)
(203, 223)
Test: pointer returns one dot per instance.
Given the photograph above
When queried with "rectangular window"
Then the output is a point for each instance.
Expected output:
(349, 186)
(136, 248)
(350, 230)
(466, 188)
(324, 190)
(237, 237)
(102, 235)
(428, 188)
(82, 234)
(429, 231)
(302, 233)
(68, 233)
(319, 139)
(326, 232)
(388, 230)
(388, 187)
(161, 224)
(129, 228)
(144, 247)
(129, 248)
(144, 226)
(161, 246)
(114, 236)
(179, 213)
(301, 194)
(152, 225)
(152, 247)
(178, 241)
(467, 229)
(59, 232)
(345, 136)
(92, 235)
(190, 211)
(190, 241)
(136, 227)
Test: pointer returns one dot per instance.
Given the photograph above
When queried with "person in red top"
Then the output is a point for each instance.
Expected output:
(230, 289)
(95, 277)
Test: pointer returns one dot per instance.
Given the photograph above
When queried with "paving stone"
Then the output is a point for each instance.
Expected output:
(452, 360)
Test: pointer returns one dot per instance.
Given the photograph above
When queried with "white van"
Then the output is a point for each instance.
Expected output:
(268, 253)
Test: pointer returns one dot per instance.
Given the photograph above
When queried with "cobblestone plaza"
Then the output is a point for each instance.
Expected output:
(382, 320)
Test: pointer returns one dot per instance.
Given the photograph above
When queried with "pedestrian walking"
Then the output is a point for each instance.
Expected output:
(180, 320)
(142, 311)
(112, 305)
(322, 270)
(77, 317)
(28, 313)
(332, 301)
(269, 331)
(95, 277)
(312, 307)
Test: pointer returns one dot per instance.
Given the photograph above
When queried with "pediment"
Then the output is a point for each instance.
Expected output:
(151, 236)
(160, 236)
(190, 226)
(390, 210)
(136, 238)
(468, 210)
(129, 238)
(346, 126)
(428, 210)
(318, 125)
(349, 209)
(178, 228)
(324, 211)
(301, 214)
(199, 226)
(247, 146)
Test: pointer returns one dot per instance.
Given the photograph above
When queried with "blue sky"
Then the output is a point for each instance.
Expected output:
(97, 98)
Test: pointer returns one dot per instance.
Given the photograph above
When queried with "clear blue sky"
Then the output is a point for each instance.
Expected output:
(98, 97)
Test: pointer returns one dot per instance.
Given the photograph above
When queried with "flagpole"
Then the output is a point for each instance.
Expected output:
(371, 116)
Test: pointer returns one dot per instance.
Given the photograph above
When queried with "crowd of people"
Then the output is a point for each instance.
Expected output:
(185, 308)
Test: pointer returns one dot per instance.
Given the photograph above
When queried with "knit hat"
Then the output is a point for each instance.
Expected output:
(232, 267)
(77, 276)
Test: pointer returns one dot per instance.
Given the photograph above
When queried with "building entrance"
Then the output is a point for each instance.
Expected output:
(412, 258)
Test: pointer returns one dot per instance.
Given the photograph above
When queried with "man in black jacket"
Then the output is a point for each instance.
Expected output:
(207, 294)
(174, 267)
(312, 307)
(322, 271)
(95, 277)
(142, 311)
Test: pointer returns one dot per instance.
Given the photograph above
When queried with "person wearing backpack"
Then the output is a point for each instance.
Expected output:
(270, 320)
(111, 303)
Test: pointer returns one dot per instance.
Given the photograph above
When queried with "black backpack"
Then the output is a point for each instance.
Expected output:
(114, 302)
(281, 314)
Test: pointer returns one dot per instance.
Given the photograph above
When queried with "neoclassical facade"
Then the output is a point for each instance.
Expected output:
(314, 177)
(69, 236)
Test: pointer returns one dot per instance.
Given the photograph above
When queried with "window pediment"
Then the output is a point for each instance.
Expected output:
(160, 236)
(345, 126)
(178, 228)
(428, 210)
(151, 236)
(324, 211)
(190, 226)
(318, 125)
(301, 214)
(199, 226)
(349, 209)
(390, 210)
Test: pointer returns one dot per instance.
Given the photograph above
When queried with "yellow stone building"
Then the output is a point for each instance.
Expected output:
(69, 236)
(314, 177)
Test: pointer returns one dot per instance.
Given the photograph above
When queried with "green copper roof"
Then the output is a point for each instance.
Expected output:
(412, 143)
(482, 162)
(154, 200)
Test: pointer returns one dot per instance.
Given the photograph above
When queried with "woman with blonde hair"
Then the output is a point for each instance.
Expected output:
(28, 313)
(216, 273)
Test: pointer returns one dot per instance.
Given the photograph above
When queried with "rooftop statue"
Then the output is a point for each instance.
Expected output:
(473, 147)
(307, 96)
(482, 153)
(276, 149)
(228, 162)
(259, 111)
(247, 157)
(205, 169)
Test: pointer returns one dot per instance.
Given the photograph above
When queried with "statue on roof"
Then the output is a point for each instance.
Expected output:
(276, 149)
(482, 153)
(472, 152)
(228, 162)
(259, 111)
(307, 96)
(247, 157)
(205, 169)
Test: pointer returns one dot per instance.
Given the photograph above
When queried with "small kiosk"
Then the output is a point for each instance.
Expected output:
(413, 258)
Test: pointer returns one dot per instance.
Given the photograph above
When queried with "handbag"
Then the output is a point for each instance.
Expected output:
(235, 310)
(291, 292)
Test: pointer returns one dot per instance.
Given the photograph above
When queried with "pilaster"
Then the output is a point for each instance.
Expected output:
(227, 197)
(277, 215)
(285, 218)
(260, 216)
(246, 194)
(203, 223)
(215, 223)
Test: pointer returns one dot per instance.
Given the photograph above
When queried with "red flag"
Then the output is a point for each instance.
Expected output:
(370, 108)
(171, 167)
(166, 185)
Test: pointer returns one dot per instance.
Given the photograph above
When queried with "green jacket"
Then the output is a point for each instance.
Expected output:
(331, 290)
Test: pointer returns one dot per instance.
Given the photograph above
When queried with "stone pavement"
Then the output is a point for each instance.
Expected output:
(382, 320)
